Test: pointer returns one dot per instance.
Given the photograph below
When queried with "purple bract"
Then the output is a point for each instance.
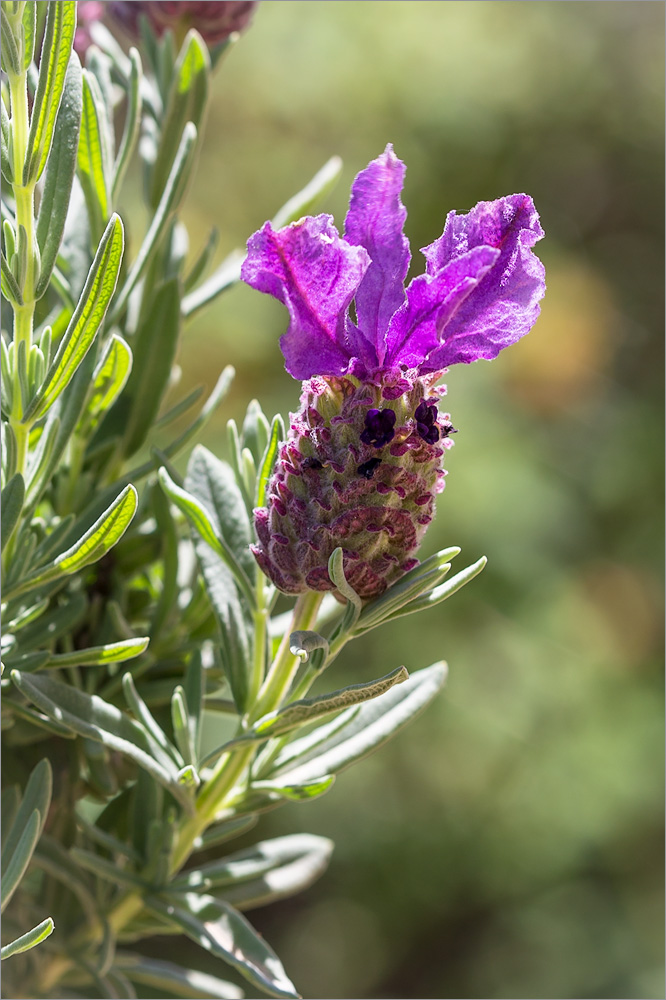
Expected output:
(480, 291)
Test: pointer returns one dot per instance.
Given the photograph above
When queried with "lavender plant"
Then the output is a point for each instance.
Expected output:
(137, 605)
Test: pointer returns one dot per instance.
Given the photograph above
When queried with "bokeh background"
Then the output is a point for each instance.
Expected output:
(509, 843)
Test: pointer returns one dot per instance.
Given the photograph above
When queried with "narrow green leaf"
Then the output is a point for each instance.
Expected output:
(300, 791)
(187, 100)
(60, 170)
(56, 622)
(222, 931)
(109, 378)
(270, 870)
(36, 798)
(11, 504)
(226, 275)
(142, 713)
(19, 860)
(94, 656)
(11, 57)
(418, 581)
(102, 536)
(96, 719)
(441, 593)
(182, 729)
(212, 482)
(155, 344)
(29, 25)
(358, 731)
(28, 940)
(354, 603)
(6, 158)
(176, 411)
(56, 49)
(10, 802)
(193, 686)
(109, 871)
(306, 200)
(93, 165)
(220, 833)
(174, 979)
(10, 286)
(268, 460)
(200, 265)
(199, 518)
(132, 123)
(86, 321)
(169, 202)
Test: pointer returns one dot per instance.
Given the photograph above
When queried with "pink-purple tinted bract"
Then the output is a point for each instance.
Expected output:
(363, 457)
(214, 21)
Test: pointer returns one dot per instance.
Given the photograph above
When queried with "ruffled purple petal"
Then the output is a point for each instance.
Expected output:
(432, 300)
(375, 221)
(504, 305)
(315, 273)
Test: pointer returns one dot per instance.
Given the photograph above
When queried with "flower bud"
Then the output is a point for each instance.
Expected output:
(214, 21)
(359, 471)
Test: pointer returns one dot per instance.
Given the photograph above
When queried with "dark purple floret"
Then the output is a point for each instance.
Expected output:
(379, 426)
(426, 422)
(367, 469)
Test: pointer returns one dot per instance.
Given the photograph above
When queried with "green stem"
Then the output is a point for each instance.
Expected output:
(285, 665)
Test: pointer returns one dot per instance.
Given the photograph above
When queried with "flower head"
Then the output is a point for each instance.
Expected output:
(363, 458)
(480, 291)
(214, 20)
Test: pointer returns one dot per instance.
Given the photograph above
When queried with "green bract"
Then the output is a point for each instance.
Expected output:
(133, 608)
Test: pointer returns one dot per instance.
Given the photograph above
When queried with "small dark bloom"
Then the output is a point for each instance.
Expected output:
(379, 426)
(426, 422)
(367, 469)
(214, 21)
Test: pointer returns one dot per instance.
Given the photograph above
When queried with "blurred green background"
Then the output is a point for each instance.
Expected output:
(509, 844)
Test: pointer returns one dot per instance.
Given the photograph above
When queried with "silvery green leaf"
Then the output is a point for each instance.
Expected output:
(28, 940)
(102, 536)
(187, 101)
(10, 286)
(11, 504)
(213, 483)
(95, 656)
(29, 26)
(132, 123)
(354, 603)
(182, 728)
(225, 933)
(200, 265)
(154, 350)
(444, 590)
(306, 200)
(37, 797)
(308, 710)
(11, 56)
(142, 713)
(93, 166)
(108, 871)
(168, 205)
(86, 321)
(109, 378)
(5, 159)
(226, 275)
(277, 434)
(220, 833)
(92, 717)
(256, 430)
(270, 870)
(60, 171)
(418, 581)
(201, 519)
(358, 731)
(176, 980)
(56, 49)
(54, 623)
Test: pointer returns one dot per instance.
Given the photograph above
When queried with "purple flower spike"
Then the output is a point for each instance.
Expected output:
(362, 463)
(480, 292)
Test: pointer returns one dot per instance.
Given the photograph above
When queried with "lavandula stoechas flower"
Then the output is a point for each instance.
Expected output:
(214, 20)
(363, 457)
